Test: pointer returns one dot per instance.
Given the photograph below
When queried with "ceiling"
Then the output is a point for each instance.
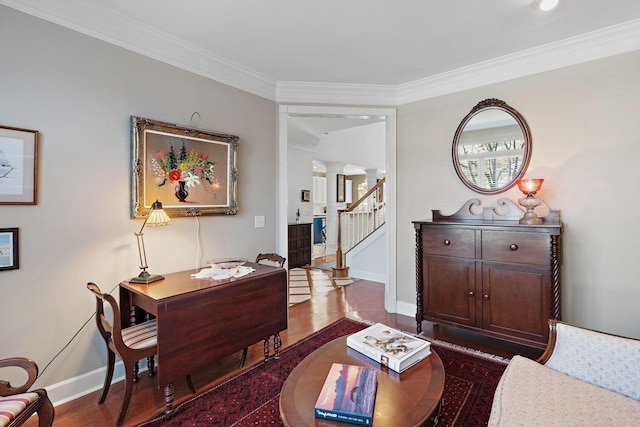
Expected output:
(372, 52)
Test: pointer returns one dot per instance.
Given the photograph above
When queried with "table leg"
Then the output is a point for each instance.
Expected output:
(150, 365)
(132, 321)
(168, 398)
(276, 346)
(266, 349)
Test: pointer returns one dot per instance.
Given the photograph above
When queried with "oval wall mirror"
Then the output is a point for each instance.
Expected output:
(491, 147)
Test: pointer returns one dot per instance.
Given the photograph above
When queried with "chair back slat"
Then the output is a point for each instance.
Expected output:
(110, 330)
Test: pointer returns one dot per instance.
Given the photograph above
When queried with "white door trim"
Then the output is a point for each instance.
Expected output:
(390, 299)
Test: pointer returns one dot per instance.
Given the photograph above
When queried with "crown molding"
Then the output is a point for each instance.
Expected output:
(336, 93)
(591, 46)
(104, 24)
(101, 23)
(598, 44)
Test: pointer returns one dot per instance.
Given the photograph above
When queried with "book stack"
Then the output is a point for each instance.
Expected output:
(390, 347)
(348, 394)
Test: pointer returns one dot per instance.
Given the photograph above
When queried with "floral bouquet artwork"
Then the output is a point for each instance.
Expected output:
(187, 168)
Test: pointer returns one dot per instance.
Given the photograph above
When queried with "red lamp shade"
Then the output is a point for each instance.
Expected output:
(530, 186)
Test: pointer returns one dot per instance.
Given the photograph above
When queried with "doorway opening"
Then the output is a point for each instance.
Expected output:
(287, 112)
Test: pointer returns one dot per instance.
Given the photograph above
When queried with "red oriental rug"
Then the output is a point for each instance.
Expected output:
(251, 397)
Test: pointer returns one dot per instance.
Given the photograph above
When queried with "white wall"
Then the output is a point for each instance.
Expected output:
(586, 145)
(79, 94)
(300, 171)
(368, 259)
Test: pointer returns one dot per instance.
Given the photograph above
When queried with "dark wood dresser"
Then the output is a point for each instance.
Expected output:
(299, 245)
(485, 272)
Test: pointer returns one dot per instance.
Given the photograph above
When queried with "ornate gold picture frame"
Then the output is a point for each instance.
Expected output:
(191, 171)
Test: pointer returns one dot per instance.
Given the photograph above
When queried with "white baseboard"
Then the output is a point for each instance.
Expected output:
(365, 275)
(406, 308)
(73, 388)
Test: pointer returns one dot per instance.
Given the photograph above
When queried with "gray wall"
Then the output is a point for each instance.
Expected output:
(586, 145)
(79, 93)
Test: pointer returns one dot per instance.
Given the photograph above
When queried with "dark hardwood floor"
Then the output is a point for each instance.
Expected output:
(360, 300)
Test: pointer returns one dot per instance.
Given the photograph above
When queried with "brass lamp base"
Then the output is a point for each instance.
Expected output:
(145, 278)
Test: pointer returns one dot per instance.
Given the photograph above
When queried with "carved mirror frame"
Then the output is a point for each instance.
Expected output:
(513, 165)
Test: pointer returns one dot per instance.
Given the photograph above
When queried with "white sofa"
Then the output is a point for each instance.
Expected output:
(584, 378)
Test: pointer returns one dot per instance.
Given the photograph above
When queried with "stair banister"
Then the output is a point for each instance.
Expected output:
(340, 270)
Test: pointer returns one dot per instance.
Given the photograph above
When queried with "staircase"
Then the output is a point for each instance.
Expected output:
(358, 222)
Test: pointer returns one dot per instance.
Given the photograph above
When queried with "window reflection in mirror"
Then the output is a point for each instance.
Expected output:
(491, 148)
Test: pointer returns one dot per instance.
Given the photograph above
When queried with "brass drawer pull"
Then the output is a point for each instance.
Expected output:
(471, 293)
(486, 296)
(447, 242)
(513, 247)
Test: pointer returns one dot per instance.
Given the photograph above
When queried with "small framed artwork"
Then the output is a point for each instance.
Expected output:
(306, 195)
(341, 188)
(191, 171)
(18, 166)
(9, 249)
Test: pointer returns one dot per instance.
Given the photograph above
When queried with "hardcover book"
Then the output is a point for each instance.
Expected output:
(348, 394)
(390, 347)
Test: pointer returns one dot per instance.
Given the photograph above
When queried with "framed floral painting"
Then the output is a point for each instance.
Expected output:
(191, 171)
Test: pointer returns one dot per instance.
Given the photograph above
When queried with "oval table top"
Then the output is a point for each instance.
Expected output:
(407, 399)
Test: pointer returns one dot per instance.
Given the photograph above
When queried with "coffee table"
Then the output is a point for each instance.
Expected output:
(411, 398)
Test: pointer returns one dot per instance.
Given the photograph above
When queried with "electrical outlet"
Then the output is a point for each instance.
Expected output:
(259, 221)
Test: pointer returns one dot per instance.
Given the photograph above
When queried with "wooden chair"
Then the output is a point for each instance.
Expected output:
(261, 258)
(131, 344)
(274, 258)
(17, 404)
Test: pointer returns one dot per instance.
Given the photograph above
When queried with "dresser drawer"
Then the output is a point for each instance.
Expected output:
(516, 247)
(449, 242)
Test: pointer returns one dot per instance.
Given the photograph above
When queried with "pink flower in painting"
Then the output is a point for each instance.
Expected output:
(197, 170)
(159, 154)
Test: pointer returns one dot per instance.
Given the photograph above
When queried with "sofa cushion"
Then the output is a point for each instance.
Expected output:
(531, 394)
(608, 361)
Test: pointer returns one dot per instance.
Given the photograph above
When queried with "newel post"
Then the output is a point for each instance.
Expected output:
(340, 271)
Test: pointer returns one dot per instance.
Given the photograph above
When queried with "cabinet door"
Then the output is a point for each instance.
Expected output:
(305, 243)
(516, 300)
(299, 245)
(449, 289)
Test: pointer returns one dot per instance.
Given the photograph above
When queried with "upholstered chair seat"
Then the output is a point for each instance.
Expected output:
(17, 404)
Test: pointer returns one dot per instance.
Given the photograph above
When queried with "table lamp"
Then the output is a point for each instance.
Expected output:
(529, 188)
(157, 217)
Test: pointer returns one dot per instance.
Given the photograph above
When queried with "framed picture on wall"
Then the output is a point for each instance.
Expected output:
(306, 195)
(9, 249)
(191, 171)
(18, 166)
(341, 188)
